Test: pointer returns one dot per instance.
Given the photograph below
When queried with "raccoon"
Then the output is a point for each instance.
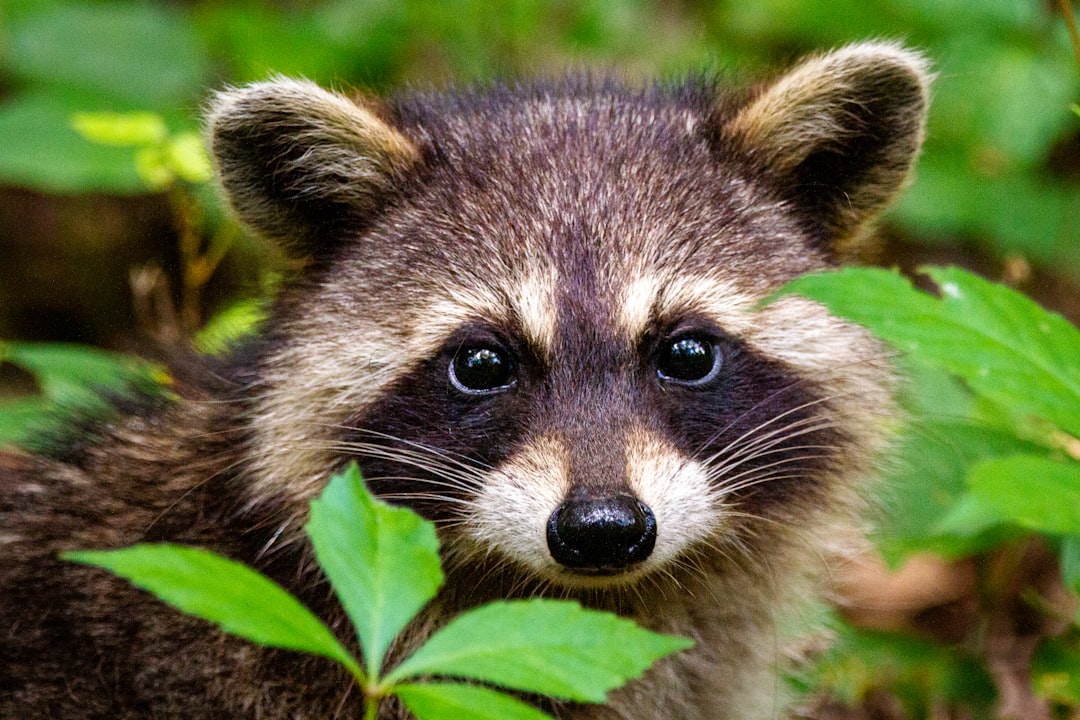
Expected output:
(533, 313)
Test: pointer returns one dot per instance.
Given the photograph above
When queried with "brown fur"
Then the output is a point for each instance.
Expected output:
(577, 227)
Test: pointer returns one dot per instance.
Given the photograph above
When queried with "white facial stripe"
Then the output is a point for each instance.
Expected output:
(530, 308)
(797, 331)
(677, 490)
(534, 305)
(649, 297)
(517, 499)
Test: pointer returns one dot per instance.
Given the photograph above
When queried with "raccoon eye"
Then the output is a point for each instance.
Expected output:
(688, 360)
(480, 370)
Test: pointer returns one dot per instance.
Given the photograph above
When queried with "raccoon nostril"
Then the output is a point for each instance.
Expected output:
(601, 534)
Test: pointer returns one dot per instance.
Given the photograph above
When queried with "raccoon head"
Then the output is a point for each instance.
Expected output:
(534, 313)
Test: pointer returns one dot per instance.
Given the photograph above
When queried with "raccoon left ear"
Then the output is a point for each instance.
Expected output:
(296, 160)
(839, 133)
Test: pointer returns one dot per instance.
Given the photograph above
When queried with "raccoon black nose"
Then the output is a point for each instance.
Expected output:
(602, 535)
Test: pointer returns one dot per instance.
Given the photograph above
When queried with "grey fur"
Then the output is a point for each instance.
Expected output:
(572, 225)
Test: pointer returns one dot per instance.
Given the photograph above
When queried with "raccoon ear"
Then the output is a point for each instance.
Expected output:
(839, 133)
(295, 159)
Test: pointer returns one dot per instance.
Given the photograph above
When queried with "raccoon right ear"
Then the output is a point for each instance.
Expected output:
(295, 160)
(839, 134)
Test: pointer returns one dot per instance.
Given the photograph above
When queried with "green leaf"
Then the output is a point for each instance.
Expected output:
(77, 374)
(382, 561)
(1002, 344)
(549, 647)
(40, 150)
(1030, 491)
(188, 158)
(123, 129)
(143, 53)
(226, 328)
(451, 701)
(225, 592)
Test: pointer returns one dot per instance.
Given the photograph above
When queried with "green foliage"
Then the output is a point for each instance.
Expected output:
(383, 564)
(160, 159)
(512, 643)
(67, 376)
(382, 561)
(995, 406)
(225, 592)
(1006, 79)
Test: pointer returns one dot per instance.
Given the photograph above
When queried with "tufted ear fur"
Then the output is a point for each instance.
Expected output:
(295, 159)
(839, 133)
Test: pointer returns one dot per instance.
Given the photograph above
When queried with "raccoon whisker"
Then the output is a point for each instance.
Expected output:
(272, 541)
(762, 479)
(765, 444)
(453, 457)
(758, 406)
(737, 442)
(393, 453)
(729, 483)
(423, 495)
(454, 476)
(765, 447)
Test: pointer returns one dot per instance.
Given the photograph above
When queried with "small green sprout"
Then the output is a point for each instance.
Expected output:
(383, 563)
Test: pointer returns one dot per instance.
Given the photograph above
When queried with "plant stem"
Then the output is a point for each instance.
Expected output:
(371, 709)
(1070, 23)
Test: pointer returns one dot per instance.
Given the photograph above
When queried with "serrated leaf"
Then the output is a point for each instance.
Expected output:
(382, 561)
(1002, 344)
(550, 647)
(230, 594)
(1030, 491)
(453, 701)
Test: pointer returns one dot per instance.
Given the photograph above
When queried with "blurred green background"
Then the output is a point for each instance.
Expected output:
(998, 186)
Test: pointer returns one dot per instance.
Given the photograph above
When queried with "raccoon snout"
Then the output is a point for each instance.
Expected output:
(601, 535)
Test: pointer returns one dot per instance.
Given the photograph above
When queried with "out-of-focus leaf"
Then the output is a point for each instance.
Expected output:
(1030, 491)
(188, 158)
(225, 328)
(258, 38)
(75, 373)
(917, 672)
(1017, 211)
(1070, 563)
(40, 150)
(1055, 671)
(124, 129)
(145, 53)
(19, 419)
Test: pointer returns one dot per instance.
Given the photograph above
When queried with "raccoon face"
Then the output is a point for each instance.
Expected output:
(534, 314)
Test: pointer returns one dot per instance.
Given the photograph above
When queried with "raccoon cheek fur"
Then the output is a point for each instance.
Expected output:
(531, 313)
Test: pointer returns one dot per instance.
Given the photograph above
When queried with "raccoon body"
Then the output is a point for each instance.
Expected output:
(533, 314)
